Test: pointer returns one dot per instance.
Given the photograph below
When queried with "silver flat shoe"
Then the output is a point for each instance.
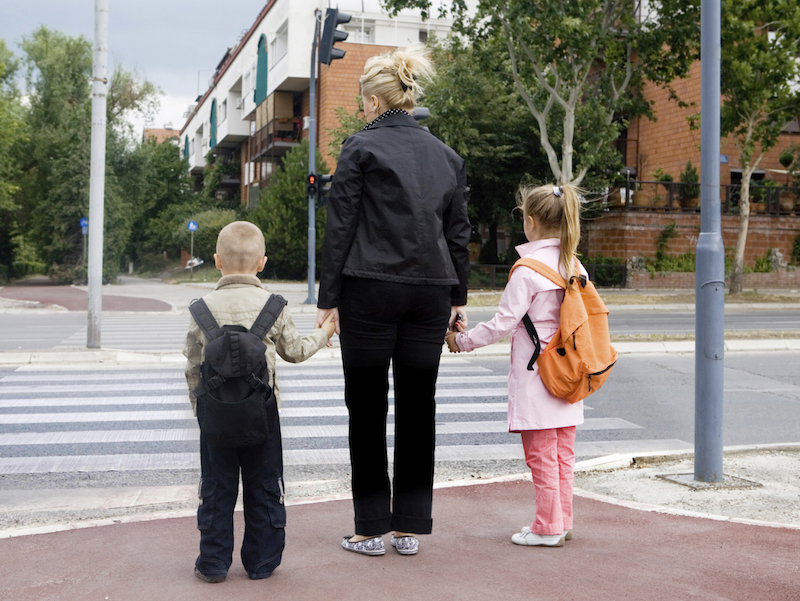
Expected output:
(369, 546)
(406, 545)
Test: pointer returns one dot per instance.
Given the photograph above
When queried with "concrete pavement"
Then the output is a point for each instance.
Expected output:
(619, 552)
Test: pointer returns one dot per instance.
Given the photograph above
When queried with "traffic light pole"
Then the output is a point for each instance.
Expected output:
(312, 166)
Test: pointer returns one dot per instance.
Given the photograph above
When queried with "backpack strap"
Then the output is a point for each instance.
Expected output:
(268, 316)
(535, 338)
(205, 320)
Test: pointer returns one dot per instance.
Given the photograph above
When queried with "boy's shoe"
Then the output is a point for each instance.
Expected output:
(211, 579)
(369, 546)
(532, 539)
(567, 533)
(406, 545)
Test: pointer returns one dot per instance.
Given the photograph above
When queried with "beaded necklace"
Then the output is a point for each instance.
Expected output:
(382, 116)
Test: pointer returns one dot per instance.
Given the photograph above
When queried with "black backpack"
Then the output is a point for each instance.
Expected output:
(236, 406)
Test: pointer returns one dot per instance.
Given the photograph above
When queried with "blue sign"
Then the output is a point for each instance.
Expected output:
(84, 222)
(192, 226)
(723, 158)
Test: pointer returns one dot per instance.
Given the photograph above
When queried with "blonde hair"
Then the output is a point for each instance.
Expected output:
(386, 75)
(558, 214)
(240, 246)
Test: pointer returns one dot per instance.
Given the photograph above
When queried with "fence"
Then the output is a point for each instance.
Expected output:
(680, 196)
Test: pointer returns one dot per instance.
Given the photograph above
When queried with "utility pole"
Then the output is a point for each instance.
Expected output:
(710, 272)
(312, 166)
(97, 173)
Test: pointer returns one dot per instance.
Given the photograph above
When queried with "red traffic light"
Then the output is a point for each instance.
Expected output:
(312, 179)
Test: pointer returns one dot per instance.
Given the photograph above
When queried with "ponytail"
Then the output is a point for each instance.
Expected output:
(558, 209)
(398, 78)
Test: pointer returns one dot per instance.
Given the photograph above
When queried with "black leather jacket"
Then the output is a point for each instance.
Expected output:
(397, 212)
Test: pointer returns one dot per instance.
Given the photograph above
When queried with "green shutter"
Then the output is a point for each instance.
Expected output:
(212, 136)
(261, 70)
(186, 147)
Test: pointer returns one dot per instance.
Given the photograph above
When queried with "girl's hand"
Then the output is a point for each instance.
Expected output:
(450, 338)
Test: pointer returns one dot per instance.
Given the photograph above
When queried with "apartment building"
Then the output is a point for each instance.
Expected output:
(256, 107)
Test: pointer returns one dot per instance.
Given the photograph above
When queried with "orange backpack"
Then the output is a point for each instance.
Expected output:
(579, 358)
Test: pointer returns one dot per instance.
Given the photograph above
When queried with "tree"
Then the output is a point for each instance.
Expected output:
(282, 214)
(349, 123)
(486, 123)
(54, 185)
(580, 66)
(760, 72)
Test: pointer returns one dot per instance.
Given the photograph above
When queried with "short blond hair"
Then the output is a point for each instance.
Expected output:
(240, 246)
(398, 77)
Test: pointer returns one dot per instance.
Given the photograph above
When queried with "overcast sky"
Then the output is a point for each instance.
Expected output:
(173, 43)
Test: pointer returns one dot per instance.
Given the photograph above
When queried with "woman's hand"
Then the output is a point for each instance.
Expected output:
(458, 314)
(322, 316)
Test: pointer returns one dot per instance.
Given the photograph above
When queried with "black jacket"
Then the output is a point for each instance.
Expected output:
(397, 212)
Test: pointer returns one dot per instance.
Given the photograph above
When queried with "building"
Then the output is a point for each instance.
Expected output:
(160, 135)
(257, 105)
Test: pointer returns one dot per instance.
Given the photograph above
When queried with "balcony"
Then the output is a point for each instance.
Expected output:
(276, 138)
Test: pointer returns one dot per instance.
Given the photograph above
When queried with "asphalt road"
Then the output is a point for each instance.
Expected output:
(164, 332)
(81, 428)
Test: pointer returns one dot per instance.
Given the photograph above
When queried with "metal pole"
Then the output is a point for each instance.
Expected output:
(191, 254)
(312, 166)
(97, 173)
(710, 271)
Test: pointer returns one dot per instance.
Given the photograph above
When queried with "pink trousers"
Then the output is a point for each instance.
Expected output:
(551, 456)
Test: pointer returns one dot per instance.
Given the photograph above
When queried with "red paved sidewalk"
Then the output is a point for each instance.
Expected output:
(617, 554)
(74, 299)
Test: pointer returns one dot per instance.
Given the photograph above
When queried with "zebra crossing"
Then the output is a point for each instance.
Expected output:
(129, 332)
(70, 421)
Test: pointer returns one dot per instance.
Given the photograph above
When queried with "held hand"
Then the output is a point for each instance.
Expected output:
(451, 342)
(458, 314)
(323, 314)
(329, 326)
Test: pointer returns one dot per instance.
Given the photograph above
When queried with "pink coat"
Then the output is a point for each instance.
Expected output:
(530, 404)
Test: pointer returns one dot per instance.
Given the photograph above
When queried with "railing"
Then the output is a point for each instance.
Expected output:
(276, 137)
(681, 196)
(496, 276)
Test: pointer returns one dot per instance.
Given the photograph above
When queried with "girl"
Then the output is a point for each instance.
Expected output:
(547, 424)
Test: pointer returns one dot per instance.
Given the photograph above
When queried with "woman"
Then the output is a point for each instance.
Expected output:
(394, 275)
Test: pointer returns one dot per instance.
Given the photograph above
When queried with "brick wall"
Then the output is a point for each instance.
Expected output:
(626, 234)
(338, 86)
(669, 143)
(785, 279)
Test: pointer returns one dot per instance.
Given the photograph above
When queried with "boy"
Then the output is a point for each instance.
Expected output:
(237, 300)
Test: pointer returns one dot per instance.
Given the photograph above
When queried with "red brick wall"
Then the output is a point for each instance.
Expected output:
(338, 86)
(676, 281)
(628, 234)
(669, 143)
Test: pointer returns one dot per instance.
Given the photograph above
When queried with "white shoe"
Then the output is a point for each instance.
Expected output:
(405, 545)
(532, 539)
(567, 533)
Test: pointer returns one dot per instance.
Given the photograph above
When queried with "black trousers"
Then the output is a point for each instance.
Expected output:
(404, 324)
(261, 470)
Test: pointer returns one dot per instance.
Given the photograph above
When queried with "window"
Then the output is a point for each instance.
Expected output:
(247, 87)
(261, 71)
(423, 36)
(223, 111)
(280, 45)
(359, 33)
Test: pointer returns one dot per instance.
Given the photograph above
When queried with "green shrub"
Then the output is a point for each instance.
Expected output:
(796, 251)
(690, 182)
(209, 224)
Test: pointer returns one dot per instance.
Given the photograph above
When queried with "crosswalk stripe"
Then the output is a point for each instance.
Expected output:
(312, 431)
(191, 461)
(441, 393)
(93, 400)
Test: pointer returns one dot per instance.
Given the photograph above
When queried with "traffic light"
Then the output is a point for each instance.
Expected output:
(324, 189)
(331, 35)
(311, 188)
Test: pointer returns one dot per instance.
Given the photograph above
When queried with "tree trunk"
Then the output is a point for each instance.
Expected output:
(737, 275)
